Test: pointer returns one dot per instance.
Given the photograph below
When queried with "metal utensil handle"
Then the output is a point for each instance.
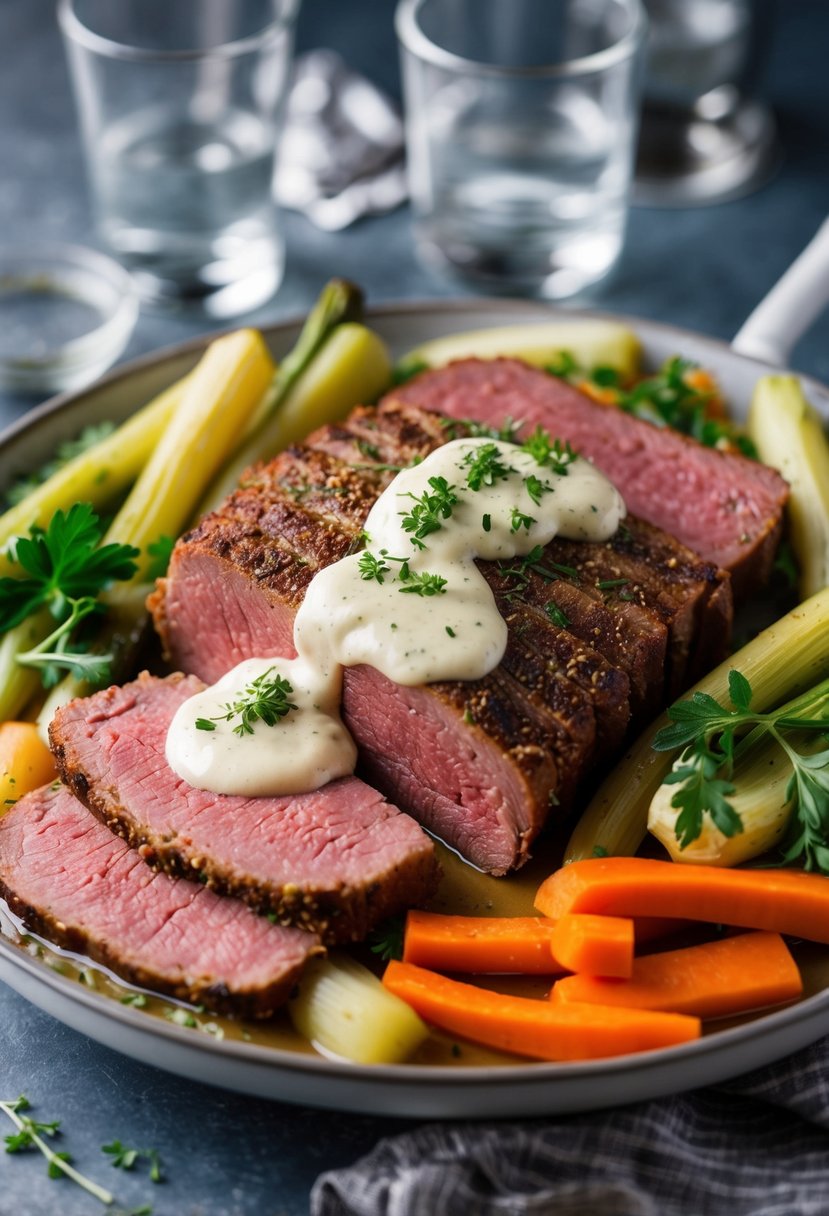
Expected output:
(790, 307)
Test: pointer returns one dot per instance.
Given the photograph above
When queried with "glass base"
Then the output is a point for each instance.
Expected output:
(693, 157)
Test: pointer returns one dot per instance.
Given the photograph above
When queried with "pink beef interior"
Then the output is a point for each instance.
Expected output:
(343, 841)
(56, 857)
(718, 504)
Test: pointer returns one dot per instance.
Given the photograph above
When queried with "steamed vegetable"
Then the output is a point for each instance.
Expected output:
(789, 436)
(518, 944)
(713, 980)
(788, 657)
(782, 901)
(335, 365)
(589, 343)
(597, 945)
(724, 803)
(340, 1005)
(25, 762)
(96, 476)
(530, 1027)
(221, 393)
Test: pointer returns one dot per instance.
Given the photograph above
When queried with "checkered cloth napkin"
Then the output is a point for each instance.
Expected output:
(758, 1146)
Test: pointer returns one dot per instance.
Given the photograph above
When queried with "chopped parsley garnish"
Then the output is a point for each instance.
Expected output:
(486, 523)
(387, 939)
(372, 567)
(557, 615)
(265, 699)
(549, 453)
(421, 582)
(485, 466)
(518, 520)
(450, 631)
(535, 488)
(608, 584)
(430, 510)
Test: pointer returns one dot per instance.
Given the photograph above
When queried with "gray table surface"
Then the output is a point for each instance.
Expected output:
(227, 1155)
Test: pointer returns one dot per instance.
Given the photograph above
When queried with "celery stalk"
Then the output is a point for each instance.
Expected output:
(789, 435)
(341, 1006)
(96, 476)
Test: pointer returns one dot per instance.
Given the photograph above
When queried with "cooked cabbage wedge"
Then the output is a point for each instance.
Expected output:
(341, 1006)
(592, 343)
(788, 433)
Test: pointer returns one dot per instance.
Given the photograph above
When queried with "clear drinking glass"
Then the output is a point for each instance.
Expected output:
(521, 123)
(180, 104)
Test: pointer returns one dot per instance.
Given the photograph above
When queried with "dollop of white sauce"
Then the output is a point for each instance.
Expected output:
(413, 605)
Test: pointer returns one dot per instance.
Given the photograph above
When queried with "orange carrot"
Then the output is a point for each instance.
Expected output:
(781, 901)
(498, 944)
(597, 945)
(712, 980)
(480, 943)
(25, 762)
(534, 1028)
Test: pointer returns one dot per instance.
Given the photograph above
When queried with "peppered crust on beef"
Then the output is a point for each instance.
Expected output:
(336, 861)
(478, 762)
(81, 887)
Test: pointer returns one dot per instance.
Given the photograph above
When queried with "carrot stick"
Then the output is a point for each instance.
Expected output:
(534, 1028)
(597, 945)
(781, 901)
(506, 944)
(713, 980)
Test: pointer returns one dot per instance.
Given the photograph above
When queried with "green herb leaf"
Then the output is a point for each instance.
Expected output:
(264, 699)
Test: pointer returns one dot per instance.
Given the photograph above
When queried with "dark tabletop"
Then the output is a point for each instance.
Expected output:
(227, 1155)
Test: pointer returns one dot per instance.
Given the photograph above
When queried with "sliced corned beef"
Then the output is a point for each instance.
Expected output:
(478, 762)
(78, 885)
(338, 860)
(725, 507)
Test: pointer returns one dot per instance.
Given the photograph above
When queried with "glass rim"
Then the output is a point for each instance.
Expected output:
(74, 29)
(412, 39)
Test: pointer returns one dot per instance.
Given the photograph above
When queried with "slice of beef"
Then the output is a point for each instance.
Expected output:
(722, 506)
(79, 886)
(337, 861)
(479, 762)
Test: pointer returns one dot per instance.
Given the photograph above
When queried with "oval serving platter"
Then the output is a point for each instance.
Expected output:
(440, 1083)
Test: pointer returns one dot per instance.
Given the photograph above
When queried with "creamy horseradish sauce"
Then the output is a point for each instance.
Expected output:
(412, 604)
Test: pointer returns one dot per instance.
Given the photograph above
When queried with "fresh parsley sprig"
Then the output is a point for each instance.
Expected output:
(58, 653)
(264, 699)
(64, 563)
(707, 733)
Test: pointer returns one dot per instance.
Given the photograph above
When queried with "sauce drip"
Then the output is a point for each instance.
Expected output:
(412, 604)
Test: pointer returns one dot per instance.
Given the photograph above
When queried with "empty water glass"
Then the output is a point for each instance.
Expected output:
(521, 122)
(180, 106)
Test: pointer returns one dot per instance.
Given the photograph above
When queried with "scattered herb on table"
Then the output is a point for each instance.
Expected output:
(124, 1158)
(30, 1134)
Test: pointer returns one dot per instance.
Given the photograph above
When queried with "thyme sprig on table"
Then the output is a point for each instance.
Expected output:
(30, 1134)
(708, 732)
(264, 699)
